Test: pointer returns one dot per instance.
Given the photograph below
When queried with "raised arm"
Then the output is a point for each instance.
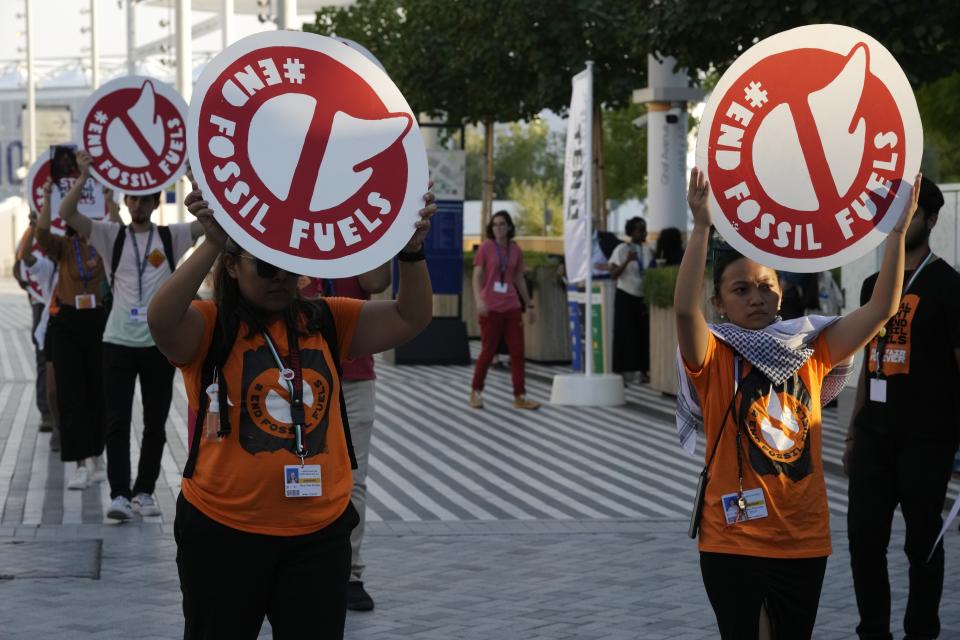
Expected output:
(385, 324)
(692, 331)
(25, 250)
(44, 238)
(376, 280)
(849, 334)
(113, 207)
(68, 207)
(175, 325)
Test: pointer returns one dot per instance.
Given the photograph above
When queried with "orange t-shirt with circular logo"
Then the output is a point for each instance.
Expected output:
(239, 481)
(781, 450)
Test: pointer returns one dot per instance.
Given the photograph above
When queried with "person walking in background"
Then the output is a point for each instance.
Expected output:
(903, 434)
(359, 390)
(35, 273)
(141, 258)
(499, 287)
(669, 249)
(765, 527)
(76, 339)
(631, 320)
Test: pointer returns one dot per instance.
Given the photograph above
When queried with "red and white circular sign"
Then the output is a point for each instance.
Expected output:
(135, 129)
(811, 141)
(308, 153)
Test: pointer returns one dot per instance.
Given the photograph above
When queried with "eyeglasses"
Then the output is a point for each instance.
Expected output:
(265, 269)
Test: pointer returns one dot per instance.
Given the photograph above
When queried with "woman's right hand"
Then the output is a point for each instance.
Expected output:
(84, 160)
(697, 194)
(481, 308)
(201, 210)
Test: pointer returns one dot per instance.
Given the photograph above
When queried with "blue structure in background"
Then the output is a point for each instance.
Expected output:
(443, 247)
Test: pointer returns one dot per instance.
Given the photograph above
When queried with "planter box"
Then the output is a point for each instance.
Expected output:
(663, 343)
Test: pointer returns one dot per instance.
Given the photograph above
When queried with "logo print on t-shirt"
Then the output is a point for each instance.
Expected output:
(896, 354)
(265, 422)
(156, 258)
(777, 424)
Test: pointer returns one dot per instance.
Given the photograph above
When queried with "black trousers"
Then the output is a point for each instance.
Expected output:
(41, 359)
(631, 333)
(121, 366)
(738, 585)
(77, 362)
(886, 471)
(231, 579)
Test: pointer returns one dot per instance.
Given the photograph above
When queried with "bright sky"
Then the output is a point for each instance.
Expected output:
(58, 23)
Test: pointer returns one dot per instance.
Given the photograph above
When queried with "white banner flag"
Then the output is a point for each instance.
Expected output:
(577, 178)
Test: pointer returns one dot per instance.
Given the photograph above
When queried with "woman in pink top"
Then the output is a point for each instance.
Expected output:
(498, 287)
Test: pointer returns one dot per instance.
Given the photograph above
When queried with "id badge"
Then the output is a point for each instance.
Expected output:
(138, 314)
(501, 287)
(878, 390)
(85, 301)
(756, 506)
(302, 481)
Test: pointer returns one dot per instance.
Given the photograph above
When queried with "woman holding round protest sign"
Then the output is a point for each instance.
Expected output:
(75, 337)
(757, 384)
(264, 517)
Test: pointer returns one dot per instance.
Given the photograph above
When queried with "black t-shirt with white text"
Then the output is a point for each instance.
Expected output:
(919, 364)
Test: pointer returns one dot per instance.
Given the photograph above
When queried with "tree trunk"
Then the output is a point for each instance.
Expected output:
(600, 185)
(486, 206)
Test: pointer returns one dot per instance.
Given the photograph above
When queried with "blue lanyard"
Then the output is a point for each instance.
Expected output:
(85, 275)
(503, 262)
(141, 264)
(640, 258)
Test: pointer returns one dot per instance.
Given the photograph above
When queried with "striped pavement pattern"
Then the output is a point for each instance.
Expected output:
(432, 459)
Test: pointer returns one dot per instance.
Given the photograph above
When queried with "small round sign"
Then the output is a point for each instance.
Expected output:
(309, 155)
(811, 141)
(134, 127)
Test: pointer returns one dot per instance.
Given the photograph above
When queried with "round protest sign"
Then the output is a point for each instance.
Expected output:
(811, 141)
(308, 154)
(134, 128)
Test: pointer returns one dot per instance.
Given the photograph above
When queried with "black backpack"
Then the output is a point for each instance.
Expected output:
(328, 330)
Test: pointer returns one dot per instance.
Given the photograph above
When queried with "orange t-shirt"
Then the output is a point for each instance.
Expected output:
(239, 481)
(782, 442)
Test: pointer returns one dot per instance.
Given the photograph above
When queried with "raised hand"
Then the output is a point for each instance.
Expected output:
(911, 209)
(697, 193)
(201, 210)
(423, 224)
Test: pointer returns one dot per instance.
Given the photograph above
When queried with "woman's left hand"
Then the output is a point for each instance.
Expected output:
(423, 224)
(531, 315)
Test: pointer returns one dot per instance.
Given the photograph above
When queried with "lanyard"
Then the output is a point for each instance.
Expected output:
(292, 377)
(141, 264)
(640, 264)
(880, 351)
(329, 287)
(85, 275)
(503, 262)
(741, 501)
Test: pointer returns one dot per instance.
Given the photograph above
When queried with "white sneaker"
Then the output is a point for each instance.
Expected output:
(99, 472)
(145, 505)
(120, 509)
(80, 479)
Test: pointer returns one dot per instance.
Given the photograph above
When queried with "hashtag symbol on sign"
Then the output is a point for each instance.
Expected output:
(100, 117)
(756, 96)
(293, 71)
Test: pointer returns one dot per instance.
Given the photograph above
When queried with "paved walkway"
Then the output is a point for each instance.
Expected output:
(495, 524)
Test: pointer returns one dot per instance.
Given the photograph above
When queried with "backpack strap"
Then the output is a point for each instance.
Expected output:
(328, 329)
(203, 401)
(117, 253)
(167, 239)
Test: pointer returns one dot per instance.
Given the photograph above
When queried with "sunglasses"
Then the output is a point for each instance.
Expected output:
(265, 269)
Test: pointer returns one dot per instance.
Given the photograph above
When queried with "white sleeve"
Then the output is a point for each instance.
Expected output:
(181, 238)
(103, 234)
(617, 257)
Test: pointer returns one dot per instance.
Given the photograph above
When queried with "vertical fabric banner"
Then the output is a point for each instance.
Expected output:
(577, 178)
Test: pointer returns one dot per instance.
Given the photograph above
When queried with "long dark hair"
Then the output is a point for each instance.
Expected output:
(511, 230)
(669, 246)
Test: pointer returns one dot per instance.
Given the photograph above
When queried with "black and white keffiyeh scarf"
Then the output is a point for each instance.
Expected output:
(778, 351)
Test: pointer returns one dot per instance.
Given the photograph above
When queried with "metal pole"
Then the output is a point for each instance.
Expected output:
(31, 90)
(588, 200)
(131, 36)
(226, 23)
(184, 38)
(94, 48)
(287, 14)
